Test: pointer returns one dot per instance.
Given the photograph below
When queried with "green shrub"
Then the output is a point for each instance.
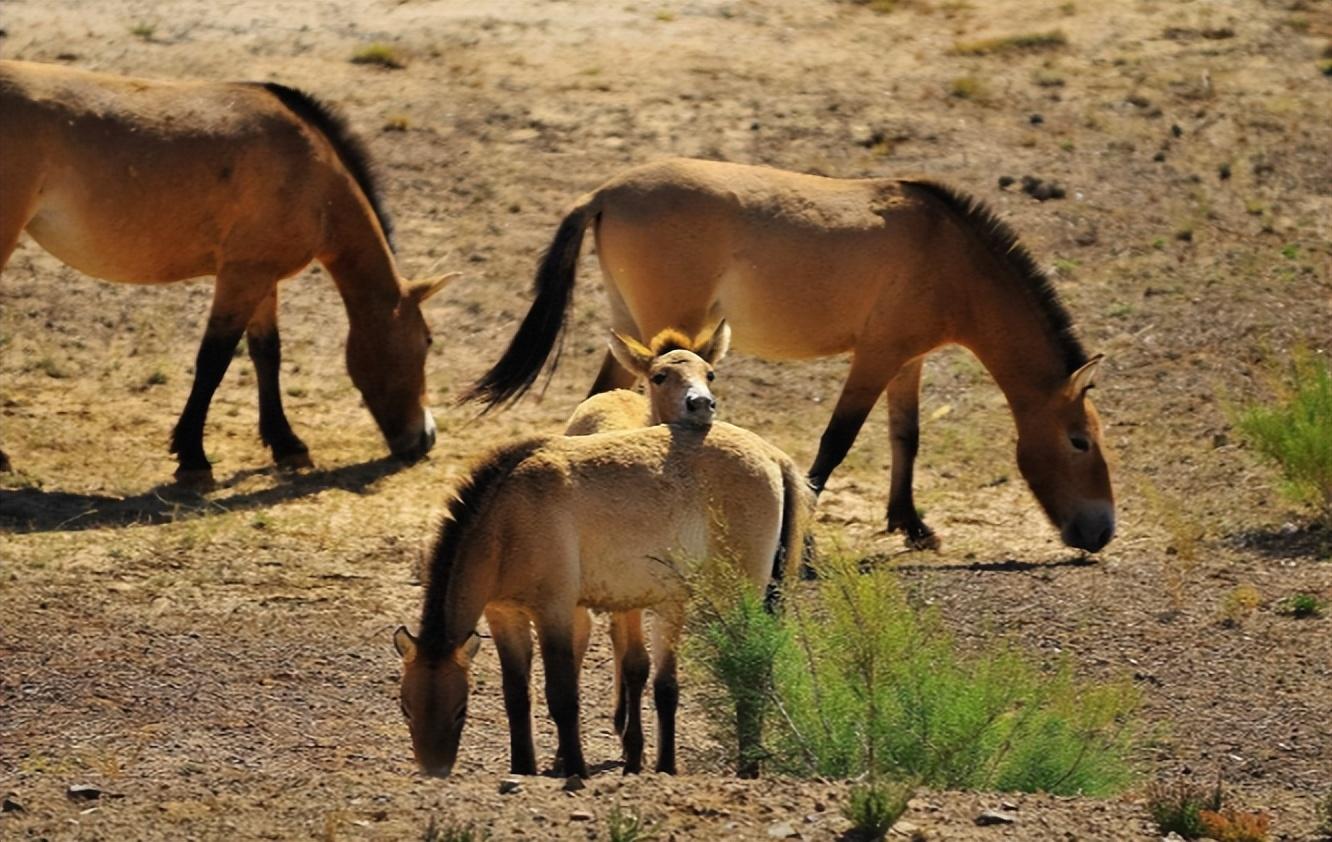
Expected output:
(453, 833)
(1301, 606)
(629, 826)
(860, 682)
(874, 808)
(1295, 431)
(1177, 806)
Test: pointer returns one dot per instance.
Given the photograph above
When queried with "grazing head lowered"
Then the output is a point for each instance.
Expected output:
(678, 370)
(434, 699)
(386, 357)
(1060, 454)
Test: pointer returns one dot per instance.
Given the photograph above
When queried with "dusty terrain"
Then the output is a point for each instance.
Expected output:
(220, 665)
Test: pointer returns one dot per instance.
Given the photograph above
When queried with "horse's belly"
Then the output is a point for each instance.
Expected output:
(640, 571)
(119, 246)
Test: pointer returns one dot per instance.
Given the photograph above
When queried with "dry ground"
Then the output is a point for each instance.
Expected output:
(222, 663)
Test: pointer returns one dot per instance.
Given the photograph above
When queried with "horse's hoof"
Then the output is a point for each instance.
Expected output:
(6, 467)
(926, 540)
(295, 461)
(195, 479)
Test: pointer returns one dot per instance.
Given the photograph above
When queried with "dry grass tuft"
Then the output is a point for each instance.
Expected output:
(1027, 42)
(381, 54)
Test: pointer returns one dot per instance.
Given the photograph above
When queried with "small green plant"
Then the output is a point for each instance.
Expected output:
(453, 832)
(1295, 431)
(143, 30)
(1231, 825)
(157, 378)
(665, 16)
(1177, 806)
(1323, 815)
(628, 826)
(1239, 604)
(397, 123)
(1290, 251)
(873, 808)
(967, 87)
(1301, 606)
(1028, 42)
(379, 53)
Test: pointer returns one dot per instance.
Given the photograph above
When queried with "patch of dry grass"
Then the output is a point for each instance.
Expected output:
(381, 54)
(1027, 42)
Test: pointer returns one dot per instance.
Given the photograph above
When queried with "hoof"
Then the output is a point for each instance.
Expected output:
(195, 479)
(295, 461)
(926, 540)
(6, 467)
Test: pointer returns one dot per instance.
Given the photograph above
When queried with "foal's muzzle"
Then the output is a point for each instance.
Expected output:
(700, 407)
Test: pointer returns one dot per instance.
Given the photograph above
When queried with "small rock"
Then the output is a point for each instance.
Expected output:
(1175, 130)
(819, 806)
(1030, 183)
(1220, 440)
(83, 792)
(1036, 119)
(1010, 806)
(580, 816)
(9, 805)
(1042, 191)
(1005, 181)
(1159, 156)
(509, 786)
(573, 783)
(993, 817)
(783, 830)
(907, 829)
(1223, 172)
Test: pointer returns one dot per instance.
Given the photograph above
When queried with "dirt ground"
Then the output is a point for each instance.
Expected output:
(220, 665)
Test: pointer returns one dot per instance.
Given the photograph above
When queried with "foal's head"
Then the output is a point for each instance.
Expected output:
(434, 699)
(386, 360)
(1060, 454)
(678, 370)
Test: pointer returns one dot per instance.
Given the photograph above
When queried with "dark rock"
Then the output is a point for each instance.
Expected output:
(1036, 119)
(993, 817)
(1005, 181)
(510, 785)
(1223, 172)
(1175, 130)
(9, 805)
(83, 792)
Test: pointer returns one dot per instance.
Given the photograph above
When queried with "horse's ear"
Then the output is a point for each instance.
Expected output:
(1084, 378)
(468, 650)
(632, 354)
(405, 644)
(714, 347)
(419, 291)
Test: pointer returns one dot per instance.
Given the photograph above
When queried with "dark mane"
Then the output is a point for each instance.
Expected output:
(351, 151)
(1002, 242)
(469, 502)
(669, 340)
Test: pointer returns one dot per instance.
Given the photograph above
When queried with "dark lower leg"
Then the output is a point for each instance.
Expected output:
(666, 696)
(904, 428)
(635, 676)
(266, 353)
(557, 655)
(210, 366)
(514, 643)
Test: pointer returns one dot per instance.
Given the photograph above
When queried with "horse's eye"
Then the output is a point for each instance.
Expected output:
(659, 378)
(712, 375)
(430, 340)
(1079, 443)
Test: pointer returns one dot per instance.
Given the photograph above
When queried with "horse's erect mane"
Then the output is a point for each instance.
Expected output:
(1002, 242)
(351, 151)
(468, 503)
(671, 339)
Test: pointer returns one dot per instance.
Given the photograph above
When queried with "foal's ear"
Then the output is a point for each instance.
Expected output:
(1084, 378)
(714, 347)
(632, 354)
(419, 291)
(468, 651)
(405, 644)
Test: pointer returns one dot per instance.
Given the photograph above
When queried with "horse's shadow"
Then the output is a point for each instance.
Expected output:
(38, 510)
(1007, 565)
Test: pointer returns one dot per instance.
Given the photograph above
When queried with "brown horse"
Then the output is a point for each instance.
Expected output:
(804, 266)
(546, 528)
(150, 182)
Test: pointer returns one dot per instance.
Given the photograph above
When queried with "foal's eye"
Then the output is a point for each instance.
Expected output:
(712, 375)
(1080, 443)
(659, 378)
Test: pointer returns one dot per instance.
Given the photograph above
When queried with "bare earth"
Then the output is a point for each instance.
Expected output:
(220, 665)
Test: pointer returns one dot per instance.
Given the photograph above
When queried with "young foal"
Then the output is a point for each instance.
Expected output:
(803, 266)
(151, 182)
(545, 528)
(678, 371)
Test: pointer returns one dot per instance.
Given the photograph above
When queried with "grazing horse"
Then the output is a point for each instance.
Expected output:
(151, 182)
(804, 266)
(678, 371)
(545, 528)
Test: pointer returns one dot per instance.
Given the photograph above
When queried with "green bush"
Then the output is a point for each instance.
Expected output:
(1177, 806)
(874, 808)
(860, 682)
(628, 826)
(1301, 606)
(1295, 431)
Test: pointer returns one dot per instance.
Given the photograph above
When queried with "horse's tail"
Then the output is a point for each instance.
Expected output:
(543, 326)
(797, 503)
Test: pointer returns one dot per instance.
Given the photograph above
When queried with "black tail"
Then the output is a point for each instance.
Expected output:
(794, 491)
(543, 326)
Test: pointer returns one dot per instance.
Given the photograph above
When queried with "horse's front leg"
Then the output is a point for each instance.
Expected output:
(513, 640)
(869, 375)
(236, 295)
(904, 428)
(265, 346)
(558, 658)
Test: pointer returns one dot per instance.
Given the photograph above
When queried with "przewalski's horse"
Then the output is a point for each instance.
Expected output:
(150, 182)
(543, 529)
(804, 266)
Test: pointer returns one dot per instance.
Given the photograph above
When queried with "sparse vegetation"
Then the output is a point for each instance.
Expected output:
(381, 54)
(862, 682)
(1231, 825)
(624, 825)
(397, 123)
(1295, 431)
(967, 87)
(1301, 606)
(453, 832)
(1028, 42)
(1239, 604)
(873, 808)
(143, 30)
(1177, 806)
(1323, 815)
(882, 7)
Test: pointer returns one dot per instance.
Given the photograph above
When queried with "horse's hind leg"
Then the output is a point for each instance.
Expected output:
(513, 640)
(261, 336)
(666, 626)
(631, 675)
(869, 375)
(558, 658)
(904, 428)
(236, 295)
(19, 186)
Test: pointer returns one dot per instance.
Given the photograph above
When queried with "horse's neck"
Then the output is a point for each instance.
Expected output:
(361, 264)
(455, 609)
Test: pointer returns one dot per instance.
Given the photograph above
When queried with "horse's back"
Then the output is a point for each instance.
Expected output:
(618, 409)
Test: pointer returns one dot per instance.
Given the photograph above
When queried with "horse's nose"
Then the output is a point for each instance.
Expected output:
(1090, 531)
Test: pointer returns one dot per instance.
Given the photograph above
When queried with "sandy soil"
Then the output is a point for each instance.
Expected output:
(220, 665)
